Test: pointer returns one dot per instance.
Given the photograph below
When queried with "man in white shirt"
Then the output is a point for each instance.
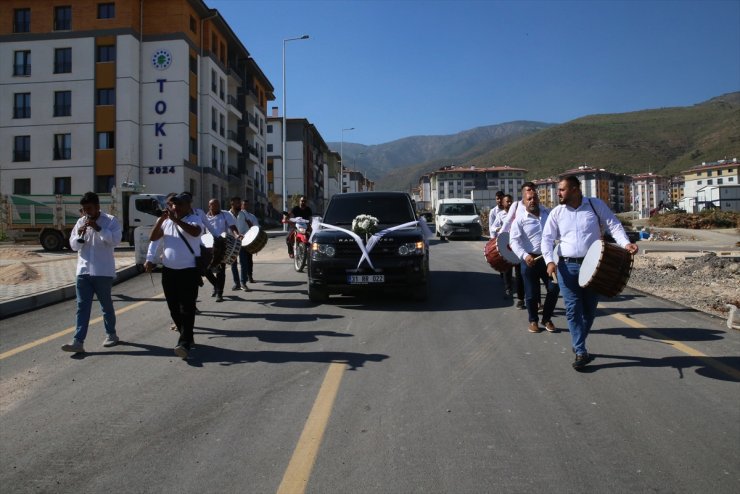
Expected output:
(179, 231)
(493, 213)
(94, 237)
(525, 242)
(577, 223)
(515, 209)
(219, 222)
(244, 221)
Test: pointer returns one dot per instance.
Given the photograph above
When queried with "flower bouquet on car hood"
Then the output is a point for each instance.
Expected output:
(365, 225)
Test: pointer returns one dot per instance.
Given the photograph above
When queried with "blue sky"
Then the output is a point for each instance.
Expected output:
(400, 68)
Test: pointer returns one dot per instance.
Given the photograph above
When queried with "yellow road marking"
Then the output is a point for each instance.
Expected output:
(301, 463)
(709, 361)
(67, 331)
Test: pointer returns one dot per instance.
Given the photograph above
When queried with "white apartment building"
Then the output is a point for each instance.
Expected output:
(706, 177)
(649, 192)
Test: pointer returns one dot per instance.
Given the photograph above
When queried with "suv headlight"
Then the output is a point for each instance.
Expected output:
(476, 221)
(319, 250)
(411, 248)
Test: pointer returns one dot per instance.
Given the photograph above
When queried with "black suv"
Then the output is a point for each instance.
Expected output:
(400, 259)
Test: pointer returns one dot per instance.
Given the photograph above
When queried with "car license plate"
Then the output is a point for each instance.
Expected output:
(362, 279)
(462, 230)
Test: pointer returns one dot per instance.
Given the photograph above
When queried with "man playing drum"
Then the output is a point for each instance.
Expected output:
(244, 221)
(525, 241)
(576, 222)
(516, 208)
(493, 214)
(219, 222)
(506, 201)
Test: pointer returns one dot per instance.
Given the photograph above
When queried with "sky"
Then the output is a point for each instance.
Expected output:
(399, 68)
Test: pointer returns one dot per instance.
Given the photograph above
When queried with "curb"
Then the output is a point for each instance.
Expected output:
(50, 297)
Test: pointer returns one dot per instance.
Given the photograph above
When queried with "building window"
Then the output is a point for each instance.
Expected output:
(105, 53)
(214, 157)
(104, 183)
(62, 103)
(21, 20)
(62, 146)
(719, 181)
(105, 96)
(22, 148)
(193, 25)
(269, 148)
(222, 125)
(62, 18)
(105, 140)
(22, 105)
(22, 62)
(193, 105)
(193, 65)
(106, 10)
(62, 60)
(698, 182)
(194, 146)
(269, 129)
(214, 120)
(22, 186)
(709, 182)
(63, 185)
(214, 83)
(221, 91)
(223, 160)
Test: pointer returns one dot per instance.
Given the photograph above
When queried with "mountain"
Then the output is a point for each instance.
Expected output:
(664, 141)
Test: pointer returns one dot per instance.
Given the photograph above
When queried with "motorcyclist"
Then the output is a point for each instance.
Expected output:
(302, 210)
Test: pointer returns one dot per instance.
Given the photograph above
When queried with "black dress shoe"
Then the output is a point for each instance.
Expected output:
(581, 360)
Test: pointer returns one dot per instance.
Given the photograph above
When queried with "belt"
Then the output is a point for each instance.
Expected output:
(574, 260)
(534, 254)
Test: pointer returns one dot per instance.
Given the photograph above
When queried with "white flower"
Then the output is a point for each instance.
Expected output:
(364, 224)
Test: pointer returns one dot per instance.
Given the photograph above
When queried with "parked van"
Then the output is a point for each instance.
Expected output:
(457, 218)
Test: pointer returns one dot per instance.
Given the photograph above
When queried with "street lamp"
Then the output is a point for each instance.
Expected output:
(284, 131)
(341, 157)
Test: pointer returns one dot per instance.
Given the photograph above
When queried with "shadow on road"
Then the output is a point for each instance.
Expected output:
(270, 336)
(677, 334)
(720, 368)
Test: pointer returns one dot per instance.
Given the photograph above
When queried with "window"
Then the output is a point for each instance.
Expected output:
(22, 186)
(106, 10)
(105, 140)
(222, 125)
(62, 18)
(63, 185)
(193, 65)
(62, 103)
(719, 181)
(269, 129)
(194, 146)
(214, 121)
(105, 53)
(269, 148)
(709, 182)
(22, 62)
(104, 183)
(21, 20)
(193, 105)
(105, 96)
(62, 60)
(214, 84)
(62, 147)
(22, 148)
(193, 25)
(223, 160)
(214, 157)
(221, 91)
(22, 105)
(698, 182)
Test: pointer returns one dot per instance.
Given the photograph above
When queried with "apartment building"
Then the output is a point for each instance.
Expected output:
(702, 184)
(311, 168)
(478, 184)
(126, 96)
(649, 192)
(612, 188)
(356, 181)
(547, 190)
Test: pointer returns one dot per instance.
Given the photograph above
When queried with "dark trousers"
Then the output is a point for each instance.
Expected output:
(245, 261)
(217, 279)
(532, 278)
(519, 282)
(181, 290)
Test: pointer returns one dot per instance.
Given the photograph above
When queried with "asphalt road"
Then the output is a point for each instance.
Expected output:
(370, 395)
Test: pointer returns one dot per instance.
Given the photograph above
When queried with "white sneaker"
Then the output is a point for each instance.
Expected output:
(74, 347)
(110, 340)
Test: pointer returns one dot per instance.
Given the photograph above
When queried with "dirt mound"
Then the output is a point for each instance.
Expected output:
(16, 274)
(13, 253)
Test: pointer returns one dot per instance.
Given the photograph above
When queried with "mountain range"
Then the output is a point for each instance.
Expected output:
(663, 141)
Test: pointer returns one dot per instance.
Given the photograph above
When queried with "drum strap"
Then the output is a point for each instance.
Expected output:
(601, 226)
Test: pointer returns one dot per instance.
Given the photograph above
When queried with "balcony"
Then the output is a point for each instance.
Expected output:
(253, 154)
(232, 138)
(254, 124)
(234, 76)
(233, 106)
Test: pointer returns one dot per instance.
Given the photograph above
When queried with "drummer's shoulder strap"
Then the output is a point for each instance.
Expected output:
(601, 226)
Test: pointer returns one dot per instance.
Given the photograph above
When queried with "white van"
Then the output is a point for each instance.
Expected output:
(457, 218)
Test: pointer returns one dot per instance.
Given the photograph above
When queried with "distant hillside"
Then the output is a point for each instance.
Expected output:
(666, 141)
(379, 160)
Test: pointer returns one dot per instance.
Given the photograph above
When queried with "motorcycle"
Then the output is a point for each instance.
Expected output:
(299, 241)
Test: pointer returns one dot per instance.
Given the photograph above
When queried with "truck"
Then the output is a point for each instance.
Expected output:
(52, 217)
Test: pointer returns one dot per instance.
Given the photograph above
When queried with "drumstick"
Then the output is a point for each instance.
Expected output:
(554, 278)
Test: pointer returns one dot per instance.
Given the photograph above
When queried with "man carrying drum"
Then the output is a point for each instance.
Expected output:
(515, 209)
(219, 222)
(496, 225)
(525, 241)
(577, 223)
(244, 221)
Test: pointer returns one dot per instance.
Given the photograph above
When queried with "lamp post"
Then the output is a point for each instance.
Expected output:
(284, 131)
(341, 157)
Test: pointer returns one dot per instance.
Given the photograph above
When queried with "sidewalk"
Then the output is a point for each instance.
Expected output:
(31, 277)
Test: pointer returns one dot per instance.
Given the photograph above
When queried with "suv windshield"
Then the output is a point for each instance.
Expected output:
(389, 209)
(458, 209)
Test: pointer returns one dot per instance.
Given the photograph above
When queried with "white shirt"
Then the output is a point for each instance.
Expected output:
(518, 206)
(245, 220)
(175, 254)
(497, 222)
(204, 221)
(220, 223)
(526, 233)
(492, 214)
(95, 255)
(578, 228)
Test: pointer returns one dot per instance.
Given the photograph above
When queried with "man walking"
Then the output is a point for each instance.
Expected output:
(244, 221)
(94, 238)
